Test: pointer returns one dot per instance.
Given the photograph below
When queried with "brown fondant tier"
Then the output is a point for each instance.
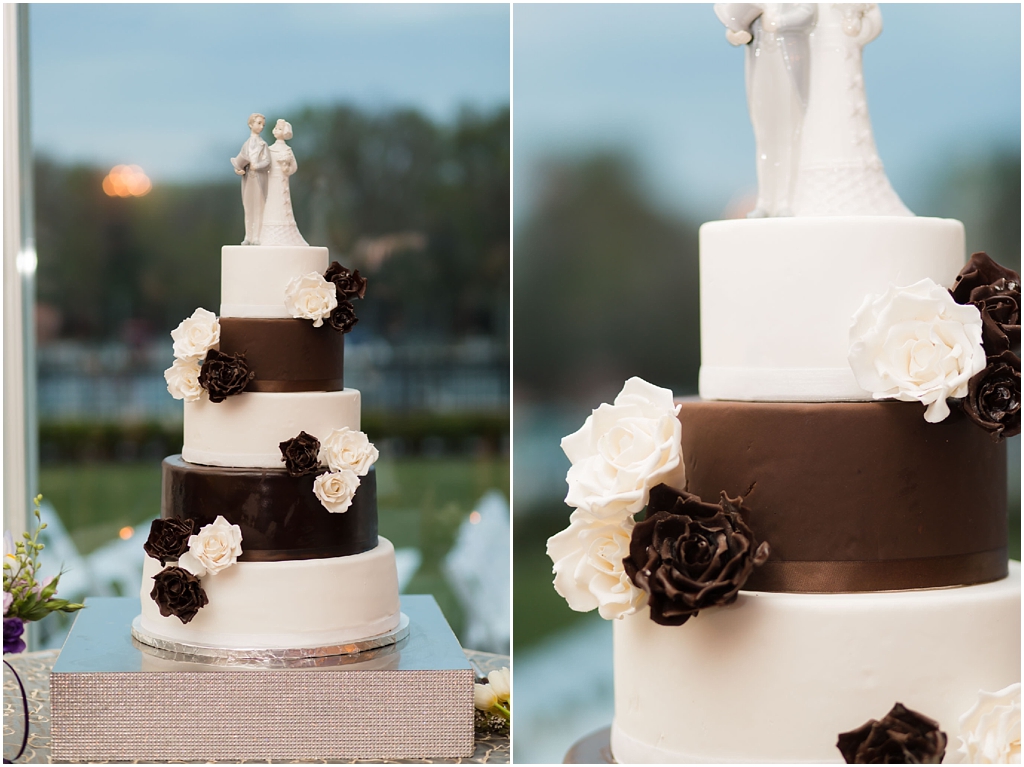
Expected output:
(854, 496)
(286, 354)
(280, 517)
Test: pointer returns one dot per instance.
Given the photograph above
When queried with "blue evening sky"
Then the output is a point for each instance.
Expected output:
(169, 87)
(943, 82)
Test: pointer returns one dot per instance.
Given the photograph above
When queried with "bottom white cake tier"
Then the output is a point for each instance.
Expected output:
(776, 677)
(293, 604)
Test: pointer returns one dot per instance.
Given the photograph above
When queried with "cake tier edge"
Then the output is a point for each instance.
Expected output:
(861, 496)
(246, 430)
(777, 296)
(777, 677)
(286, 355)
(279, 516)
(280, 605)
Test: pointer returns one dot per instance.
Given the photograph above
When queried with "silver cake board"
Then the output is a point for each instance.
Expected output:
(114, 698)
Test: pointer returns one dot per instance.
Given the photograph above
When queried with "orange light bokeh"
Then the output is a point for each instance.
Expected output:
(474, 517)
(126, 181)
(126, 533)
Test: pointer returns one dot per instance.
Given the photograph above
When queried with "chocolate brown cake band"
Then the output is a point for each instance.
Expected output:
(892, 575)
(902, 502)
(287, 355)
(280, 517)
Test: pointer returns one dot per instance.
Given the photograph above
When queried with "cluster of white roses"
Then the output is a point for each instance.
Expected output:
(990, 730)
(622, 451)
(311, 297)
(348, 454)
(916, 344)
(193, 338)
(498, 690)
(214, 548)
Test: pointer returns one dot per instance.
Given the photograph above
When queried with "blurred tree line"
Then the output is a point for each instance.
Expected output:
(422, 208)
(607, 284)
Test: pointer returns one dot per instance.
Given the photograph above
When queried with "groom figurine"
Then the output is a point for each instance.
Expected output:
(778, 75)
(253, 165)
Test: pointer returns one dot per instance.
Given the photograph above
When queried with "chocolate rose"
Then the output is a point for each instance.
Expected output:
(343, 318)
(300, 454)
(168, 538)
(996, 292)
(349, 284)
(688, 554)
(179, 593)
(223, 375)
(993, 396)
(902, 737)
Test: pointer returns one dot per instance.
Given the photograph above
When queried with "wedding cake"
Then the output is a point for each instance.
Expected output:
(267, 537)
(808, 563)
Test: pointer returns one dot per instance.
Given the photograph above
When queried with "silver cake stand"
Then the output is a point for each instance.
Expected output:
(332, 654)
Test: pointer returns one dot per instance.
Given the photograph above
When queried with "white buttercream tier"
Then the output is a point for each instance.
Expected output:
(776, 677)
(276, 605)
(247, 429)
(777, 296)
(253, 277)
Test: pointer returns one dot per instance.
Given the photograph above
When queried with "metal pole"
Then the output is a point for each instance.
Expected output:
(20, 445)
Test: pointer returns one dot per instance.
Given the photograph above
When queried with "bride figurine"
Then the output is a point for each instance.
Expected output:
(840, 172)
(279, 226)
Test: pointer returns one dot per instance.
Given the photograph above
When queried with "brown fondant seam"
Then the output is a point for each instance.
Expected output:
(885, 575)
(320, 384)
(351, 548)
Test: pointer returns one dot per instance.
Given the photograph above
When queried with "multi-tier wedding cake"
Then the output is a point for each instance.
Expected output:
(267, 537)
(819, 571)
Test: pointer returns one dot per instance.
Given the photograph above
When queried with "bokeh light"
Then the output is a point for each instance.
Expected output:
(126, 532)
(126, 181)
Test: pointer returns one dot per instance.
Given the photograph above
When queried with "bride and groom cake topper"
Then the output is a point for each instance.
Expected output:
(816, 153)
(266, 197)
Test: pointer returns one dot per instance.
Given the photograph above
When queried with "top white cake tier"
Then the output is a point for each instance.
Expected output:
(777, 296)
(253, 277)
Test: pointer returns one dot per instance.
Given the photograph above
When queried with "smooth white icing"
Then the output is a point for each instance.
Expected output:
(247, 429)
(301, 603)
(777, 677)
(253, 278)
(778, 295)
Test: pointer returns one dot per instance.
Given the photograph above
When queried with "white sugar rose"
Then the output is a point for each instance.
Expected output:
(346, 448)
(588, 569)
(215, 547)
(916, 344)
(195, 336)
(990, 730)
(623, 450)
(336, 490)
(311, 297)
(183, 379)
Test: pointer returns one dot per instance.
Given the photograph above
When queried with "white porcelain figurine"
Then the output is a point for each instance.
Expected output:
(279, 226)
(253, 165)
(777, 39)
(840, 172)
(816, 152)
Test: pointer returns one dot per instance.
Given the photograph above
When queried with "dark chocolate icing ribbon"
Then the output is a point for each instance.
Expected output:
(885, 575)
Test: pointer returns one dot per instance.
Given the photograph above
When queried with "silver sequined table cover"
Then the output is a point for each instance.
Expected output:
(111, 652)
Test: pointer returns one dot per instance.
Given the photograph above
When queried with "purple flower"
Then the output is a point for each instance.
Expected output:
(13, 629)
(8, 599)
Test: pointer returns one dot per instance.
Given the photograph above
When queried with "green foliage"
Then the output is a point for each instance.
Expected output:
(984, 193)
(606, 286)
(31, 599)
(420, 207)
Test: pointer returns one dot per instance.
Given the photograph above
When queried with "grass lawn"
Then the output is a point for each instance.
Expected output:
(422, 503)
